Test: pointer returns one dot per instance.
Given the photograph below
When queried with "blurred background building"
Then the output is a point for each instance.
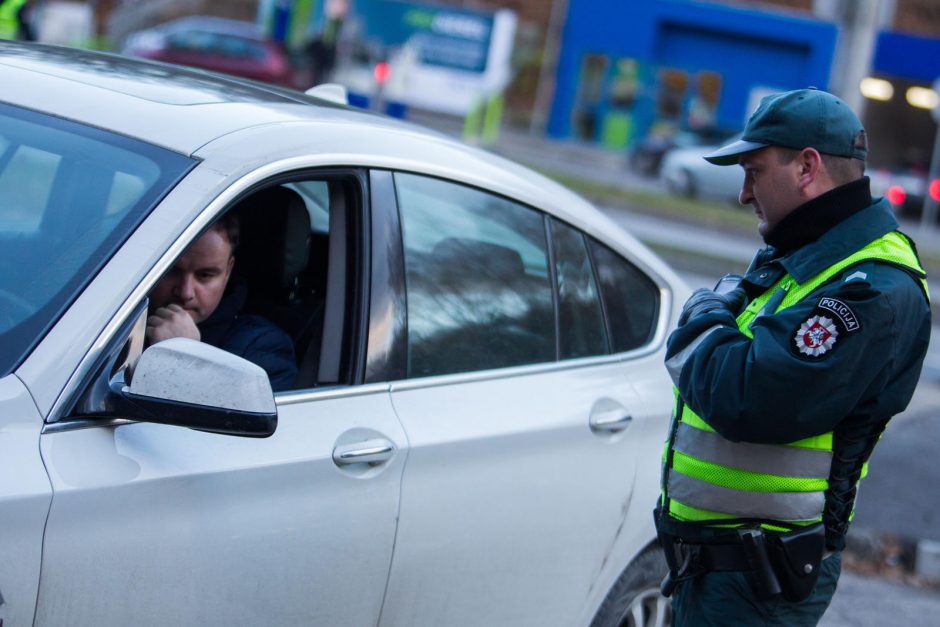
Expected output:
(602, 72)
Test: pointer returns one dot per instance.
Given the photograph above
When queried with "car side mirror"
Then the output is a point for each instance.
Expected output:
(187, 383)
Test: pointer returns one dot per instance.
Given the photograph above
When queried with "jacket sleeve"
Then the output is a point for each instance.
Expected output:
(272, 349)
(805, 369)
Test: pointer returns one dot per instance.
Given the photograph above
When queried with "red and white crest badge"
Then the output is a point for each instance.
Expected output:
(816, 336)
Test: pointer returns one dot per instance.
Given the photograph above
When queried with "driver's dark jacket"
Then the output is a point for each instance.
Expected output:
(252, 337)
(761, 390)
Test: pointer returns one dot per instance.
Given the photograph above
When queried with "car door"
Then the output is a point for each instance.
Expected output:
(162, 525)
(520, 424)
(24, 500)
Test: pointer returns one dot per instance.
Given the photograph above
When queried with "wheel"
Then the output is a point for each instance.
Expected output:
(635, 601)
(682, 183)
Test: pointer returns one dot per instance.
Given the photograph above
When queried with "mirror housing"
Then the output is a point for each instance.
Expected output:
(187, 383)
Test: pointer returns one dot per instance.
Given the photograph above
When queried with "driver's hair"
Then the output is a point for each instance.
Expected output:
(228, 225)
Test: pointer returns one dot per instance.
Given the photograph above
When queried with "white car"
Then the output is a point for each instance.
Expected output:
(686, 173)
(475, 432)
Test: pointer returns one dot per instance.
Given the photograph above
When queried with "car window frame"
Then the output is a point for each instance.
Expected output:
(120, 327)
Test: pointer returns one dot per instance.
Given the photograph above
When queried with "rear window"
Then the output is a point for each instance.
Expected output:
(69, 196)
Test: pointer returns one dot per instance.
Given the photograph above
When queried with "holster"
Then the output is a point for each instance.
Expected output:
(797, 558)
(763, 575)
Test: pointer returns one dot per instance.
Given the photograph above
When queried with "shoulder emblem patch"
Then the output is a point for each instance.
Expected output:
(828, 324)
(816, 336)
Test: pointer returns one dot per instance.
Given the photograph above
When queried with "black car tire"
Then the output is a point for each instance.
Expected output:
(635, 600)
(683, 184)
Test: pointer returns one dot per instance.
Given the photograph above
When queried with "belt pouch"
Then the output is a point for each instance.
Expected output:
(797, 557)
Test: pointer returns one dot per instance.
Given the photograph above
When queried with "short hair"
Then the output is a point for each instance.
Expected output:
(841, 170)
(229, 225)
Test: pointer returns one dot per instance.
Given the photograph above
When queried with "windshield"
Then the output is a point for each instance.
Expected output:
(69, 196)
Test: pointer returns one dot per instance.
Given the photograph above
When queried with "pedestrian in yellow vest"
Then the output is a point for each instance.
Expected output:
(786, 377)
(14, 20)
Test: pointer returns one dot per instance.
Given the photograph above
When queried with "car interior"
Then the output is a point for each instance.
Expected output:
(283, 256)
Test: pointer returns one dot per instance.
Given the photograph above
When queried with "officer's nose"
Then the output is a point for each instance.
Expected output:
(746, 196)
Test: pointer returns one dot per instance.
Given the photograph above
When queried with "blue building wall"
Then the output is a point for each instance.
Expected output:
(907, 56)
(748, 49)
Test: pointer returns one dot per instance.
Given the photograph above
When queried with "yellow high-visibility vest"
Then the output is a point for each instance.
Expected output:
(709, 478)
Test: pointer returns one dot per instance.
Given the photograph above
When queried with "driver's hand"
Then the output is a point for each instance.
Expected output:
(169, 322)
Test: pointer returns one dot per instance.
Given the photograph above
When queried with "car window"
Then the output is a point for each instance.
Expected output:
(477, 279)
(289, 301)
(69, 196)
(316, 195)
(195, 40)
(581, 319)
(25, 184)
(239, 47)
(630, 298)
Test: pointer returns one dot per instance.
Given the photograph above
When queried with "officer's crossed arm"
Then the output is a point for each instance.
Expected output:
(806, 368)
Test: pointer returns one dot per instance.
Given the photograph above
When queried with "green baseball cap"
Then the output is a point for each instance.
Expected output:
(803, 118)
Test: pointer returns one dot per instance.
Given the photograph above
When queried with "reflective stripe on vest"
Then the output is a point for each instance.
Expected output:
(710, 478)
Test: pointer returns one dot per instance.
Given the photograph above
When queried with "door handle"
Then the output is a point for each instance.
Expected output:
(611, 420)
(373, 452)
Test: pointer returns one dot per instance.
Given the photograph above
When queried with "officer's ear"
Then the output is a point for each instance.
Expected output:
(810, 169)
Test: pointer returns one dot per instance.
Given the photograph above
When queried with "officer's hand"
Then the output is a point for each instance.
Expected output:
(704, 301)
(169, 322)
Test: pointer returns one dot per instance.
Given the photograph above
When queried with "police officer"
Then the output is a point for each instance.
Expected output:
(786, 377)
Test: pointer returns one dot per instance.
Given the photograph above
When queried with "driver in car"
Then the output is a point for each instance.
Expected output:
(201, 299)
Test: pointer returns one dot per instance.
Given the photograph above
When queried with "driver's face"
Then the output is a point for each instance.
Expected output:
(197, 281)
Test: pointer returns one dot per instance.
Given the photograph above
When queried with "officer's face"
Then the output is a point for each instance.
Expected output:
(197, 281)
(770, 186)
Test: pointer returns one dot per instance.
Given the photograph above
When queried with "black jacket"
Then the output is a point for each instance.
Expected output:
(250, 336)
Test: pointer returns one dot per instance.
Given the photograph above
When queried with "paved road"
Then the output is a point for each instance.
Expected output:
(873, 602)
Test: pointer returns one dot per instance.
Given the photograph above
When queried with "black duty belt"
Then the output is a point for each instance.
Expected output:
(779, 564)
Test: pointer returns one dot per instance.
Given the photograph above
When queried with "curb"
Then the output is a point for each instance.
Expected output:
(879, 554)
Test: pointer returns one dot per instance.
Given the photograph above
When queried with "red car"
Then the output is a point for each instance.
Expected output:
(217, 44)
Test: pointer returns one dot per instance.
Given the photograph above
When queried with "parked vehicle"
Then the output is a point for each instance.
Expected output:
(647, 156)
(686, 173)
(475, 434)
(214, 43)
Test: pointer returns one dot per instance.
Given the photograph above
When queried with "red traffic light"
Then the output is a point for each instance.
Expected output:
(382, 71)
(934, 189)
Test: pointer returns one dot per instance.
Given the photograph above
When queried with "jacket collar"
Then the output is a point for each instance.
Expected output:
(856, 226)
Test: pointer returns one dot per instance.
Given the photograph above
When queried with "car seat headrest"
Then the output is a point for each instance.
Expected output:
(275, 238)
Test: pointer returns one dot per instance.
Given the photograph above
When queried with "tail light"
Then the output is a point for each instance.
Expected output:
(896, 195)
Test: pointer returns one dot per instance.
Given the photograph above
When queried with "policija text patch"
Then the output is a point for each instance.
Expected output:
(829, 323)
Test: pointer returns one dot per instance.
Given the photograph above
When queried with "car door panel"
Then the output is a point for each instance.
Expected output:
(156, 525)
(25, 494)
(510, 503)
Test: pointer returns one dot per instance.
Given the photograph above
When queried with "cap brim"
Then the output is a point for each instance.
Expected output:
(728, 155)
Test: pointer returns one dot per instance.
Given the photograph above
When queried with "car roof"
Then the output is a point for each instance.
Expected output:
(166, 105)
(238, 125)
